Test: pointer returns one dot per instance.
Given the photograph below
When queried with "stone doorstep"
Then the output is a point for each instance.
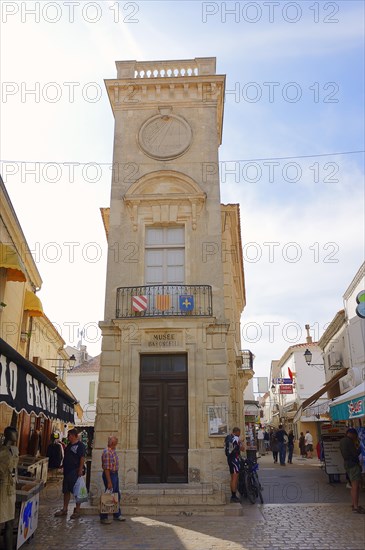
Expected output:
(171, 489)
(157, 499)
(181, 510)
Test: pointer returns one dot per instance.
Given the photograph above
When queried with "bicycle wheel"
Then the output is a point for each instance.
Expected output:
(250, 488)
(241, 485)
(258, 487)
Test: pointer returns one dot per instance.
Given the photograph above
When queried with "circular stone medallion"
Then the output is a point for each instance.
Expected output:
(165, 137)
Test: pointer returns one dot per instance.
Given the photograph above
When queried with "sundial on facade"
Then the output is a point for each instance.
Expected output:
(165, 136)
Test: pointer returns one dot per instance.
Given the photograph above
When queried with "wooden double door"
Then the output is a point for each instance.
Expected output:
(163, 419)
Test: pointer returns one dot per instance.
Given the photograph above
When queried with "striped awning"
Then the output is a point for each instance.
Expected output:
(11, 261)
(32, 304)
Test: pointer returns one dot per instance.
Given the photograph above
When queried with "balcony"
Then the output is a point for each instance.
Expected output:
(164, 301)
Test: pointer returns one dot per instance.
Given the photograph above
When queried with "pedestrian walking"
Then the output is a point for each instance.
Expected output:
(73, 468)
(282, 438)
(267, 440)
(301, 443)
(350, 450)
(261, 440)
(274, 445)
(290, 446)
(308, 440)
(110, 465)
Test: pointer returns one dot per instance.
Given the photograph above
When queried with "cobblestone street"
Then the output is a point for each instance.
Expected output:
(269, 526)
(289, 526)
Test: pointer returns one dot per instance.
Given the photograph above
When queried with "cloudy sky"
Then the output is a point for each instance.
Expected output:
(292, 152)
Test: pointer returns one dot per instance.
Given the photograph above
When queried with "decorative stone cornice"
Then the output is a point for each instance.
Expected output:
(146, 93)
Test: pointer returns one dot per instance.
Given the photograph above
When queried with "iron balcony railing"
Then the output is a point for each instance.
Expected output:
(164, 301)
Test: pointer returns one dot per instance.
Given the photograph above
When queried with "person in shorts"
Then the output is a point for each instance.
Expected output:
(73, 468)
(350, 450)
(233, 447)
(308, 440)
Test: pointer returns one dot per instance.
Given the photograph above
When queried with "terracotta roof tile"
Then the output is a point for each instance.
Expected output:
(93, 365)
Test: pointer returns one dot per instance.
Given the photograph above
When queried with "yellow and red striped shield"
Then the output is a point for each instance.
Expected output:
(163, 302)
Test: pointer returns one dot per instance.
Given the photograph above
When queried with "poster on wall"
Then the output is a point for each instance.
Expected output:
(217, 420)
(28, 519)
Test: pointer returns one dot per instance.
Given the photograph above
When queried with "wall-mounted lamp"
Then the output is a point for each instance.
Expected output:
(308, 358)
(60, 370)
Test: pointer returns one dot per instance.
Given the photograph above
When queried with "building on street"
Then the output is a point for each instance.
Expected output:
(172, 373)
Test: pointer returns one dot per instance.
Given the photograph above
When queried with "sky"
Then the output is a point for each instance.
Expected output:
(292, 153)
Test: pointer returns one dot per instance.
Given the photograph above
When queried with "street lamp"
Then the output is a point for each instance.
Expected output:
(60, 370)
(308, 359)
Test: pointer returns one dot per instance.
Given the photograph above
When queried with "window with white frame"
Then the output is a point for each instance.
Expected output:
(165, 256)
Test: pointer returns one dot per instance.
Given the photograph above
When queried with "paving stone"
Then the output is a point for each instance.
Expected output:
(328, 526)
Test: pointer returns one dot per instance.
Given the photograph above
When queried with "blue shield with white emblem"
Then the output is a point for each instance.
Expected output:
(186, 302)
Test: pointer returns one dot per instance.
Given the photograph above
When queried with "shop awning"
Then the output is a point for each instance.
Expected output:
(313, 398)
(10, 260)
(32, 304)
(349, 405)
(24, 387)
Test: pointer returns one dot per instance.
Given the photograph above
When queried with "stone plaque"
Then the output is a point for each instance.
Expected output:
(165, 137)
(163, 339)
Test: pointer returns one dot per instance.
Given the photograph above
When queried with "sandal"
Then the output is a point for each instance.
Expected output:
(75, 515)
(359, 510)
(60, 513)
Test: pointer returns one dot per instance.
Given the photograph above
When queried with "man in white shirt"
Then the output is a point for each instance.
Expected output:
(308, 441)
(260, 440)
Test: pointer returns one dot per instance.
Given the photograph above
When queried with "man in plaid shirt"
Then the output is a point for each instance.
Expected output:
(110, 465)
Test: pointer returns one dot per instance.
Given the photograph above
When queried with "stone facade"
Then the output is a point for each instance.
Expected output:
(168, 127)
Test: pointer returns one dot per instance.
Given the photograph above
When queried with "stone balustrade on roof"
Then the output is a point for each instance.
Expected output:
(166, 69)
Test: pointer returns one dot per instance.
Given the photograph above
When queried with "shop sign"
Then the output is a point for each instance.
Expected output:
(356, 408)
(28, 519)
(331, 437)
(285, 388)
(282, 381)
(24, 387)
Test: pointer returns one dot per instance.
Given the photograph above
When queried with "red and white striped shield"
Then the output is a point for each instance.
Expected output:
(139, 303)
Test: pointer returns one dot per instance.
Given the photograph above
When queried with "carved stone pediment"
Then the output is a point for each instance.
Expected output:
(164, 197)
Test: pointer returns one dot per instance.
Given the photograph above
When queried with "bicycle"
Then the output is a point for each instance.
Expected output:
(248, 483)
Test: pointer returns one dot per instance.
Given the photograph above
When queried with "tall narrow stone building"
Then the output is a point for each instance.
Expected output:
(172, 373)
